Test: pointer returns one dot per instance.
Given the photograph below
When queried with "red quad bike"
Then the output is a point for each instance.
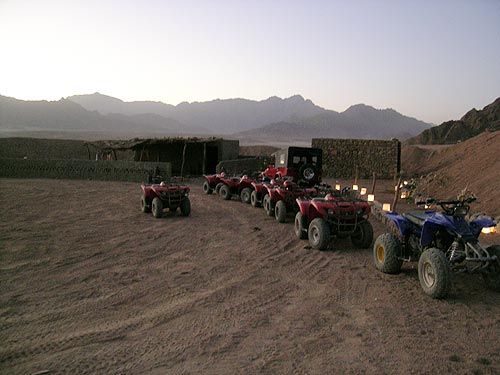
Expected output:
(335, 215)
(157, 197)
(213, 183)
(282, 199)
(259, 190)
(240, 186)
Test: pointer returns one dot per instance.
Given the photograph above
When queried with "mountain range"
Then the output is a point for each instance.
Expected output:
(272, 119)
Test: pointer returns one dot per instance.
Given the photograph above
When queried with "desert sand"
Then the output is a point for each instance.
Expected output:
(89, 284)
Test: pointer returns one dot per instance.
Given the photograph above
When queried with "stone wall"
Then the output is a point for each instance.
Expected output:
(82, 169)
(229, 149)
(341, 157)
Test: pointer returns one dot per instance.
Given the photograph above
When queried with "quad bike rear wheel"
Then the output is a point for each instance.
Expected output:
(245, 195)
(206, 188)
(300, 226)
(319, 234)
(217, 188)
(157, 207)
(225, 193)
(280, 212)
(434, 273)
(362, 237)
(145, 207)
(386, 253)
(267, 204)
(253, 199)
(492, 274)
(185, 207)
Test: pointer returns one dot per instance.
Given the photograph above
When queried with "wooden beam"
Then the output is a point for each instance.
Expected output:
(183, 158)
(374, 181)
(396, 196)
(204, 169)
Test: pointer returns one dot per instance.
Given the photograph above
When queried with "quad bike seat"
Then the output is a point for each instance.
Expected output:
(416, 217)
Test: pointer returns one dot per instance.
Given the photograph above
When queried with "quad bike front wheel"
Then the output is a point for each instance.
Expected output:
(245, 195)
(157, 207)
(206, 188)
(386, 253)
(492, 274)
(253, 199)
(280, 212)
(362, 237)
(145, 207)
(434, 273)
(319, 234)
(225, 193)
(300, 226)
(185, 207)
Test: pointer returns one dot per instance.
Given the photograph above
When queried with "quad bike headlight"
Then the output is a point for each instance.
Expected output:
(489, 230)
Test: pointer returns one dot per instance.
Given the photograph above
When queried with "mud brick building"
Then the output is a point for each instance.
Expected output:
(187, 156)
(343, 157)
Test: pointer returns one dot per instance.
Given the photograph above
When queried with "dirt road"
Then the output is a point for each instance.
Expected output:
(89, 284)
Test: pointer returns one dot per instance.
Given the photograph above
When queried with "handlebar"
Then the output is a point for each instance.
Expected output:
(444, 203)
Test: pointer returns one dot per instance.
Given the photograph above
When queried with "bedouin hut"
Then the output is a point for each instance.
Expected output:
(188, 156)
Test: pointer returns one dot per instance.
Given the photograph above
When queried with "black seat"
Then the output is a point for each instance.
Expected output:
(416, 217)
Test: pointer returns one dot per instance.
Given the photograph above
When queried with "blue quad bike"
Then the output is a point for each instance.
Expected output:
(442, 242)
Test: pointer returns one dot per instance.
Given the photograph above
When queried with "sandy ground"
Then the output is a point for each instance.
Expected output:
(89, 285)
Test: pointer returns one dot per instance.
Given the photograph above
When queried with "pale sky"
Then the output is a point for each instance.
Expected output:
(433, 60)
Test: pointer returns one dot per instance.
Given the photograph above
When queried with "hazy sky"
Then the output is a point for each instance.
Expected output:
(433, 60)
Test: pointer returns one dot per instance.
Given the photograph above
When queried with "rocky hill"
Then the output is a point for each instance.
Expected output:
(471, 124)
(449, 169)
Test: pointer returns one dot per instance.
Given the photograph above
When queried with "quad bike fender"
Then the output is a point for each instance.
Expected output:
(303, 206)
(275, 195)
(212, 180)
(480, 223)
(401, 223)
(258, 187)
(439, 221)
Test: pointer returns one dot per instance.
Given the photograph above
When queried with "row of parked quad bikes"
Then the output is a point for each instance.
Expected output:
(442, 241)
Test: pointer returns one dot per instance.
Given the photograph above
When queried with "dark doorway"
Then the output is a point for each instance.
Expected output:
(212, 159)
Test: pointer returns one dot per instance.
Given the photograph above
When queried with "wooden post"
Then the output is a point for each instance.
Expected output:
(374, 181)
(204, 157)
(356, 175)
(114, 154)
(88, 151)
(183, 158)
(142, 152)
(396, 196)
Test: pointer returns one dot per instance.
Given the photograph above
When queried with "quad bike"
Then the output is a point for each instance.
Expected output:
(282, 199)
(338, 214)
(213, 183)
(441, 242)
(157, 197)
(259, 189)
(240, 186)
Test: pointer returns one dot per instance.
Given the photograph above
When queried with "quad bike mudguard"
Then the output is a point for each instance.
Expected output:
(403, 224)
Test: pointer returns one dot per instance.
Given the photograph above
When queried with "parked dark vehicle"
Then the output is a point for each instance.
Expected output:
(302, 164)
